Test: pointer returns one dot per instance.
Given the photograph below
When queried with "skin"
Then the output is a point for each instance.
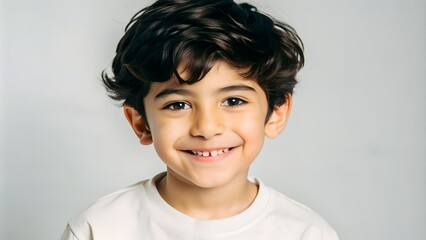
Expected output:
(208, 134)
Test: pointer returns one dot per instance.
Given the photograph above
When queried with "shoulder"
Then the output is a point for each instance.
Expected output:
(118, 201)
(110, 210)
(293, 209)
(302, 220)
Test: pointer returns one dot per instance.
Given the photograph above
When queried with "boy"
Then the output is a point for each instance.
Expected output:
(204, 82)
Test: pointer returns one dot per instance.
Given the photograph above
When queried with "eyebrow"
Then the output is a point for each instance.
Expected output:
(184, 92)
(234, 88)
(170, 91)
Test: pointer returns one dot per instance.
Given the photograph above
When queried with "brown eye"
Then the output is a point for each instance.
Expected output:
(178, 106)
(232, 102)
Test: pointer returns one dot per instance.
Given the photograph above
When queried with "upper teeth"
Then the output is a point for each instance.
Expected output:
(211, 153)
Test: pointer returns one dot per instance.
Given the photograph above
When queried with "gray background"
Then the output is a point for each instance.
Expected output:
(354, 149)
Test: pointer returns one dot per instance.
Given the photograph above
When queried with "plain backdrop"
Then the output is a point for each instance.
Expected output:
(354, 149)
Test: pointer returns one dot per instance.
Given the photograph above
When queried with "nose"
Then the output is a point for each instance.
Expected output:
(207, 123)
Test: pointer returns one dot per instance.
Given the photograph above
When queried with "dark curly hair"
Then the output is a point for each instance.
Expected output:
(197, 34)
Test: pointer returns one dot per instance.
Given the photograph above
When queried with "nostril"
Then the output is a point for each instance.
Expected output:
(207, 125)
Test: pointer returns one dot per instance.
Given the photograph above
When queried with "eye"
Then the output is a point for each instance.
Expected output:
(233, 102)
(177, 106)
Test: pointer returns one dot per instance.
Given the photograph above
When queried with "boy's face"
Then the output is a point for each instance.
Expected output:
(208, 133)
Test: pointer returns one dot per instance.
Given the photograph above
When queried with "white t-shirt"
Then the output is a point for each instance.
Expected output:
(139, 212)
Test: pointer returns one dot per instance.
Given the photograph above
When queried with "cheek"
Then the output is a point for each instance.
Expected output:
(165, 132)
(253, 121)
(252, 128)
(164, 138)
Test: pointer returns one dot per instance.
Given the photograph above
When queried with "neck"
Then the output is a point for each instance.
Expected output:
(207, 203)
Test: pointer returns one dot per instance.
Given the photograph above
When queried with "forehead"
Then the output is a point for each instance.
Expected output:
(221, 75)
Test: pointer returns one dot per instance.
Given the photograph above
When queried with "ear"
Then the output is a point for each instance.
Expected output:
(138, 124)
(278, 119)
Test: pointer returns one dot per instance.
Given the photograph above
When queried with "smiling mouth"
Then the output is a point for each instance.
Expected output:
(212, 153)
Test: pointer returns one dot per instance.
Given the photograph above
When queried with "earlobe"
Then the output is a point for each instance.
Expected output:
(138, 124)
(278, 119)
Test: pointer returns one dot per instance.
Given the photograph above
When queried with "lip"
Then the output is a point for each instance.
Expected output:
(210, 158)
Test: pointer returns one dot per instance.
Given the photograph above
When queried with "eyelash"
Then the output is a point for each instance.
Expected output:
(178, 106)
(238, 100)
